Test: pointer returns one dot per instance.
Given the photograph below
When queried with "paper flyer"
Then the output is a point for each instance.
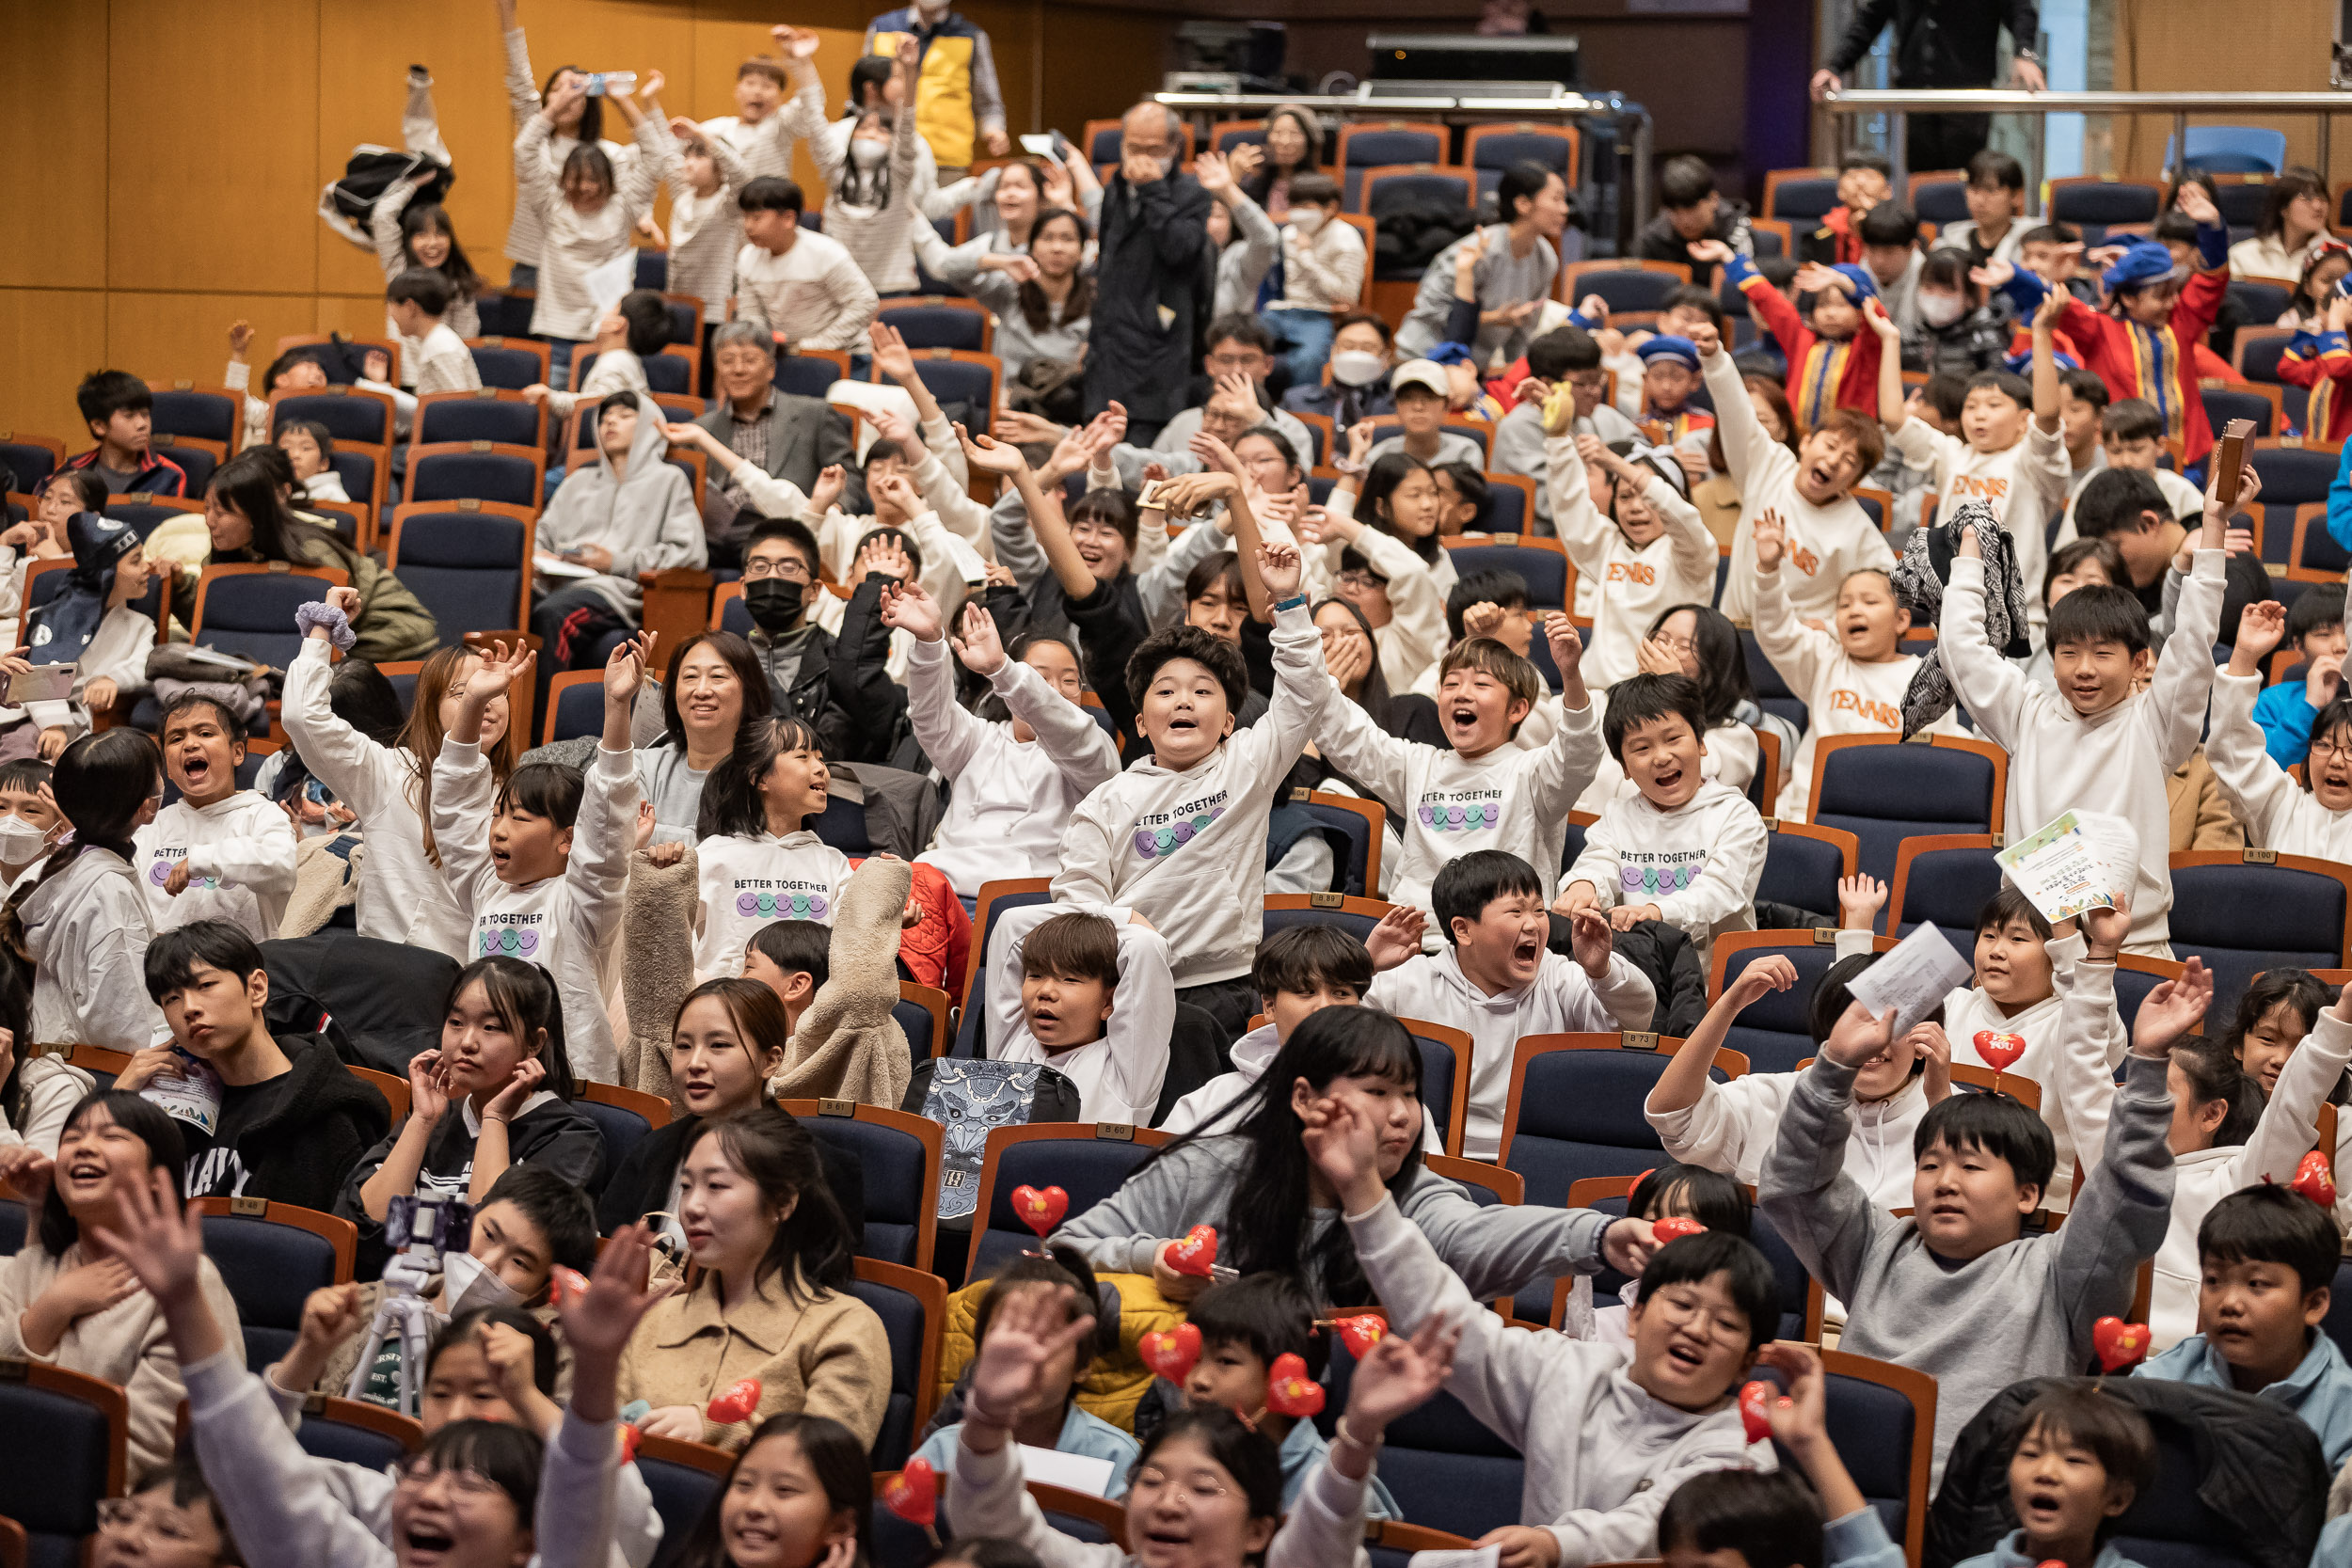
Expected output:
(1912, 978)
(188, 1089)
(2079, 861)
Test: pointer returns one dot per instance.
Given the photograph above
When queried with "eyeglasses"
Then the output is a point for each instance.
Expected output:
(123, 1515)
(2333, 747)
(1675, 644)
(790, 568)
(419, 1473)
(1360, 581)
(1201, 1489)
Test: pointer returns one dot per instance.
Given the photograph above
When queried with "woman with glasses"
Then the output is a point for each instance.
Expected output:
(170, 1520)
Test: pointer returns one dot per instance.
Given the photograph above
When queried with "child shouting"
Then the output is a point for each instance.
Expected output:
(218, 852)
(1644, 544)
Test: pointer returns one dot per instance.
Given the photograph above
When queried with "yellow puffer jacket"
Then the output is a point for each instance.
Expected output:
(1114, 1384)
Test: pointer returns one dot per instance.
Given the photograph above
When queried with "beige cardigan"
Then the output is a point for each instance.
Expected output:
(124, 1345)
(825, 1355)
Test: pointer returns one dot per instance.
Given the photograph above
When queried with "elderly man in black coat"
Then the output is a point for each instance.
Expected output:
(1155, 279)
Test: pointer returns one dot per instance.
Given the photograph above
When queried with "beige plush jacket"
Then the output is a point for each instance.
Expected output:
(847, 1047)
(124, 1345)
(824, 1353)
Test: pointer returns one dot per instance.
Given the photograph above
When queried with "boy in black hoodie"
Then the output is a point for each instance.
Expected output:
(290, 1122)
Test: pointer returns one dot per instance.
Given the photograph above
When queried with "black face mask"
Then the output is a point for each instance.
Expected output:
(773, 603)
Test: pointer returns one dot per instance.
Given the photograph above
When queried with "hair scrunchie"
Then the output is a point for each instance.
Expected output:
(314, 616)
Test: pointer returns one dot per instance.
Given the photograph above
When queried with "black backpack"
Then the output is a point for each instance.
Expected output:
(348, 204)
(376, 1003)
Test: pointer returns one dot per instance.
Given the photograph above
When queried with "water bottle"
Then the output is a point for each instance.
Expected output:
(612, 83)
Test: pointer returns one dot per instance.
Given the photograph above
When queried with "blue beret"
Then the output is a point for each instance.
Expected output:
(1866, 287)
(2143, 262)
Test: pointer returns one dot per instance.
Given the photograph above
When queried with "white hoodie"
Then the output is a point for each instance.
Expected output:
(2278, 813)
(1825, 542)
(1011, 797)
(2288, 1129)
(2024, 484)
(239, 851)
(1730, 1128)
(2116, 761)
(646, 519)
(564, 923)
(1509, 798)
(1187, 850)
(86, 930)
(748, 881)
(1842, 695)
(402, 897)
(1635, 583)
(1699, 864)
(1119, 1075)
(1561, 999)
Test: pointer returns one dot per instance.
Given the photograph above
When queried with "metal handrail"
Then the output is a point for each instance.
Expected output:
(2011, 101)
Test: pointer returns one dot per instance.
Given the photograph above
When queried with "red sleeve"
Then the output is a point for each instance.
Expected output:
(2200, 302)
(1780, 318)
(1861, 372)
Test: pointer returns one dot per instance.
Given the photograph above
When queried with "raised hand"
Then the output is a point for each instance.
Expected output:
(2196, 206)
(794, 43)
(891, 354)
(625, 672)
(1192, 494)
(1025, 1335)
(1814, 277)
(1567, 645)
(154, 1238)
(829, 483)
(1214, 176)
(1761, 977)
(1399, 1374)
(1709, 341)
(598, 1320)
(1279, 567)
(1859, 901)
(991, 455)
(2105, 929)
(887, 555)
(2173, 1010)
(2046, 314)
(1771, 540)
(1591, 943)
(1993, 274)
(1928, 1042)
(906, 608)
(1397, 938)
(2260, 630)
(1713, 252)
(979, 648)
(1881, 323)
(26, 1171)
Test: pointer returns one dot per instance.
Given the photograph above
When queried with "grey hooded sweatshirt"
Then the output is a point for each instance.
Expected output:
(646, 519)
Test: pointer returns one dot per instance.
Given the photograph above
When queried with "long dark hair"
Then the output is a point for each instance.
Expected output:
(834, 1455)
(458, 272)
(144, 1120)
(756, 1011)
(591, 128)
(759, 701)
(1261, 183)
(101, 782)
(1380, 482)
(1722, 679)
(1035, 308)
(2284, 190)
(1270, 1233)
(2298, 989)
(811, 1249)
(733, 801)
(525, 998)
(245, 486)
(1374, 696)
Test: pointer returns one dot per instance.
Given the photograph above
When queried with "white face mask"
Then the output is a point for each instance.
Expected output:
(21, 843)
(467, 1283)
(1940, 310)
(1309, 221)
(1355, 368)
(868, 154)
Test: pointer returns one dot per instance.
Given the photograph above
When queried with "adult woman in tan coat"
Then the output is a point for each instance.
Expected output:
(771, 1301)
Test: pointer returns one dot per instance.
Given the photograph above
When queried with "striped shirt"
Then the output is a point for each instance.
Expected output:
(527, 232)
(574, 244)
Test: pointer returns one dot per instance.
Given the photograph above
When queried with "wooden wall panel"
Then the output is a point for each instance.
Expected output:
(2168, 45)
(52, 124)
(183, 334)
(213, 162)
(49, 339)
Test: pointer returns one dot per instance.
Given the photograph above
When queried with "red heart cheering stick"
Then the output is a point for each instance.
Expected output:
(2119, 1344)
(735, 1404)
(1040, 1210)
(1756, 1399)
(564, 1282)
(1674, 1227)
(1361, 1334)
(2000, 1049)
(1289, 1390)
(2315, 1180)
(912, 1494)
(1196, 1253)
(630, 1437)
(1171, 1352)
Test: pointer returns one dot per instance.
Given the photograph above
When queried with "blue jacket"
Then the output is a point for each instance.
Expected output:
(2013, 1553)
(1859, 1541)
(2319, 1391)
(2340, 501)
(1302, 1451)
(1081, 1434)
(2286, 717)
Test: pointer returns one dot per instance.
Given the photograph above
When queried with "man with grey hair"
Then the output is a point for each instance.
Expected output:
(1154, 278)
(790, 437)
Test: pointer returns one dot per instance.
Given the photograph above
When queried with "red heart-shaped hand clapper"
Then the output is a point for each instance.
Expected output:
(1756, 1399)
(1361, 1334)
(565, 1282)
(735, 1404)
(1040, 1210)
(1289, 1390)
(631, 1436)
(2119, 1344)
(1674, 1227)
(1196, 1253)
(2000, 1049)
(912, 1494)
(1171, 1352)
(2314, 1179)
